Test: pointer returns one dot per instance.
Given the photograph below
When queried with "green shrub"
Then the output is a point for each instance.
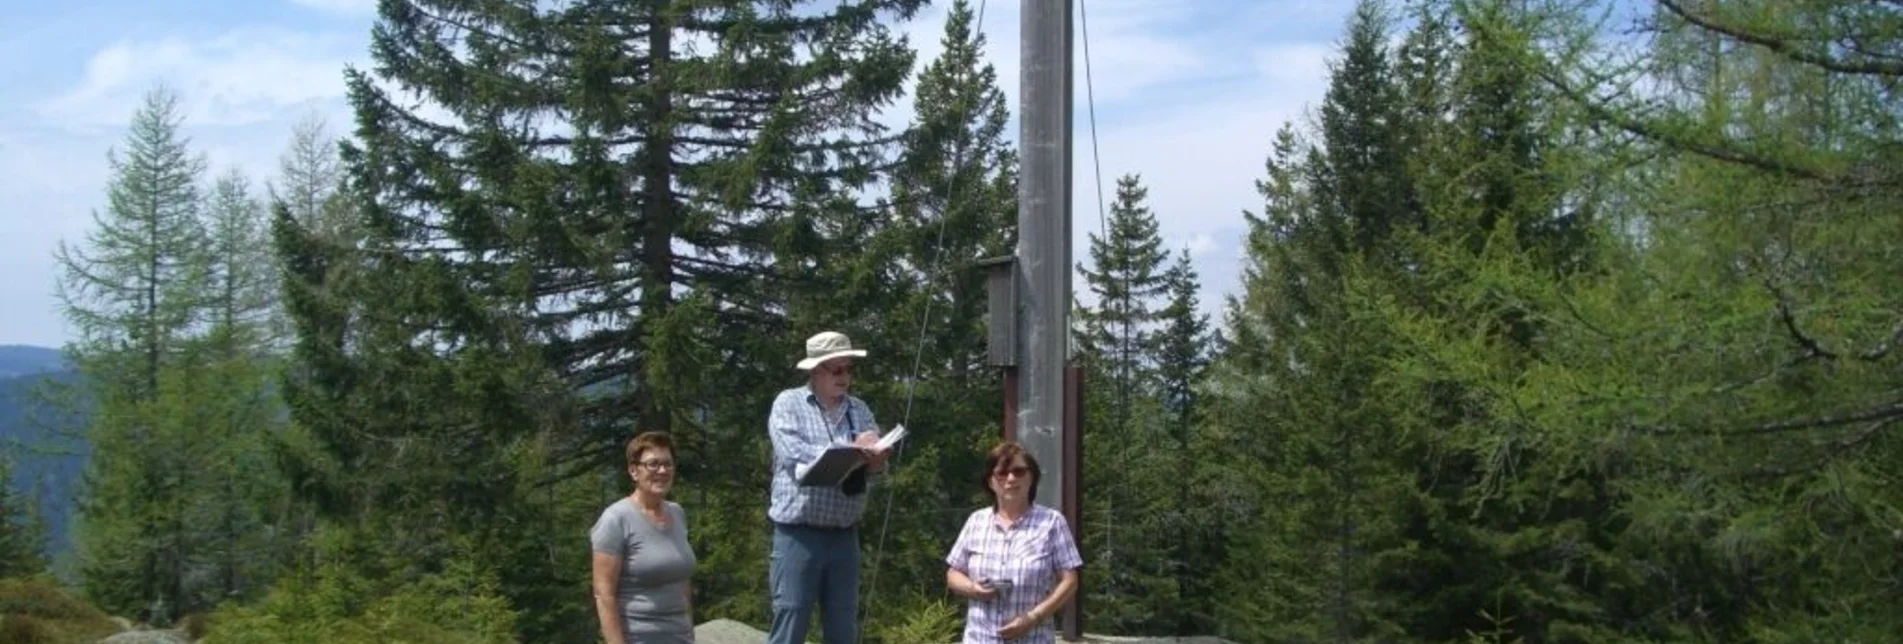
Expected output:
(35, 610)
(24, 629)
(459, 605)
(922, 620)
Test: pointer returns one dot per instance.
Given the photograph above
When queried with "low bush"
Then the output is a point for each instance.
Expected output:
(35, 610)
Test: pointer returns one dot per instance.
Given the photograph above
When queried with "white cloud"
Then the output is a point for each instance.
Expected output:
(1200, 158)
(1188, 99)
(240, 91)
(1133, 46)
(243, 76)
(1190, 107)
(346, 7)
(1199, 245)
(48, 195)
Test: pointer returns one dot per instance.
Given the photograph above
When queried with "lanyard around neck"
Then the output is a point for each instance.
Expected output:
(845, 413)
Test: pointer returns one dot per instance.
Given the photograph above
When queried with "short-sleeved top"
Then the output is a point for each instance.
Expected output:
(801, 432)
(1032, 553)
(656, 563)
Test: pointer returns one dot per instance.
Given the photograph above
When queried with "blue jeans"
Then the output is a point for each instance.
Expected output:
(814, 566)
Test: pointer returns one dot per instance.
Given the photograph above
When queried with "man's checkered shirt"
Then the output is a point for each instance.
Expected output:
(800, 434)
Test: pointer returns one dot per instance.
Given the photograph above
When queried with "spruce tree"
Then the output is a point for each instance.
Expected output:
(1126, 277)
(1128, 424)
(1336, 474)
(954, 201)
(594, 231)
(1183, 348)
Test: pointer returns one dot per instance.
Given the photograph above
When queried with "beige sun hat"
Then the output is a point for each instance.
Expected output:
(826, 346)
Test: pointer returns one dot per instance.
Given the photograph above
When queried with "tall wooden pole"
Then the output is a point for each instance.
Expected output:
(1043, 424)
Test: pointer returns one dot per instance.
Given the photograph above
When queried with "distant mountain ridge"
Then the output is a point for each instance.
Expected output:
(24, 360)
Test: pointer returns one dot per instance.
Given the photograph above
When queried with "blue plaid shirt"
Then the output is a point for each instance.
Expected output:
(800, 434)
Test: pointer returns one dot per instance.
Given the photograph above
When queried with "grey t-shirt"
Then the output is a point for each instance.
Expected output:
(656, 563)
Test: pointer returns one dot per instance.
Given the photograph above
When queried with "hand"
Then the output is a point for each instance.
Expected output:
(980, 591)
(1017, 627)
(875, 457)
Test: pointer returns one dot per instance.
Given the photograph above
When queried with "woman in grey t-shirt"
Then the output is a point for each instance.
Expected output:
(643, 565)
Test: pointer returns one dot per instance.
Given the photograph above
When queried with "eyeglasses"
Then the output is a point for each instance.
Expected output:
(1014, 472)
(656, 466)
(838, 370)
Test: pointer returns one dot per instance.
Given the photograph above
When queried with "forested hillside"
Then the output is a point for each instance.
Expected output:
(43, 460)
(1560, 321)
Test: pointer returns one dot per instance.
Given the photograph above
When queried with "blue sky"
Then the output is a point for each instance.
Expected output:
(1187, 94)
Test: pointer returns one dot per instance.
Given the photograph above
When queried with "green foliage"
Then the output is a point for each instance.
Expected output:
(954, 202)
(35, 610)
(132, 289)
(602, 231)
(1127, 278)
(462, 604)
(1541, 387)
(169, 293)
(925, 618)
(1141, 341)
(1521, 354)
(240, 300)
(22, 530)
(178, 497)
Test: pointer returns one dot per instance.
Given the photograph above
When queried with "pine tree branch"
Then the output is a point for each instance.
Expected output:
(1884, 414)
(1811, 346)
(444, 19)
(575, 462)
(701, 265)
(564, 141)
(546, 286)
(1783, 46)
(1833, 451)
(1883, 349)
(1720, 151)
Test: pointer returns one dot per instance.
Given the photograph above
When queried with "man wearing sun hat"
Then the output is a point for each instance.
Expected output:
(815, 557)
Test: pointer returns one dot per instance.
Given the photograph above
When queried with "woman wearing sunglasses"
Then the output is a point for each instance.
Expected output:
(643, 565)
(1015, 561)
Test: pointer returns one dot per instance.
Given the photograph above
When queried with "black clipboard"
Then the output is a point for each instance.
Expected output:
(834, 467)
(845, 465)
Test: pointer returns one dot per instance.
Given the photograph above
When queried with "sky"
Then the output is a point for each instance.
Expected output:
(1186, 94)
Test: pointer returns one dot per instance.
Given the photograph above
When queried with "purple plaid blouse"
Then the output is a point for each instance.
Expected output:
(1032, 553)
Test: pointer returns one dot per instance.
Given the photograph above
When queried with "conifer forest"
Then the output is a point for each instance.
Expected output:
(1558, 321)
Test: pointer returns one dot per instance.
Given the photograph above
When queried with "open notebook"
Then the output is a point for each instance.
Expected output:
(840, 462)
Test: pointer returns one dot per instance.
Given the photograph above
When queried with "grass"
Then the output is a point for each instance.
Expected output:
(35, 610)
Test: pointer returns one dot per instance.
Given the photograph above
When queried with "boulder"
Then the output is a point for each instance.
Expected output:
(727, 631)
(148, 637)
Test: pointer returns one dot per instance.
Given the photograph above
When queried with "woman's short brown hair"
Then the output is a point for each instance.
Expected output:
(647, 441)
(1001, 456)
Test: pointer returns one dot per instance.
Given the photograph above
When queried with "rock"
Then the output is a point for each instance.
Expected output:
(148, 637)
(727, 631)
